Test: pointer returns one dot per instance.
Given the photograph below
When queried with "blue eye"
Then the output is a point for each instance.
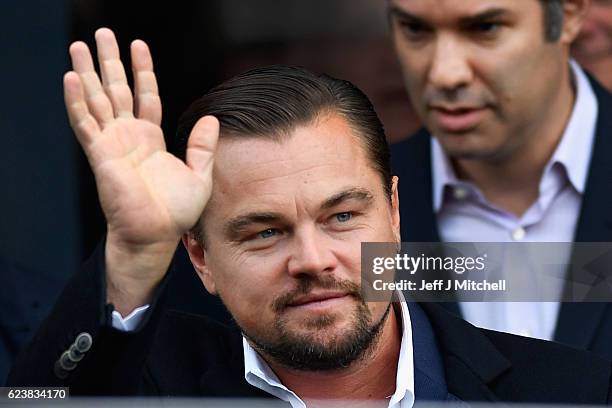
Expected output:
(267, 233)
(344, 217)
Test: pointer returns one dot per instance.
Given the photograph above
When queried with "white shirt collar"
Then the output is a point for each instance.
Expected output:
(259, 374)
(573, 152)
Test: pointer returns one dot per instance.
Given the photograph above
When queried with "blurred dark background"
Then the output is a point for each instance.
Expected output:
(51, 220)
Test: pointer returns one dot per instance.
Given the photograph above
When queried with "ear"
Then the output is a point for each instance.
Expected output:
(197, 255)
(395, 213)
(574, 13)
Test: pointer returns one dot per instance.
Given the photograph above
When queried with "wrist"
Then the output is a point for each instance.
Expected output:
(133, 272)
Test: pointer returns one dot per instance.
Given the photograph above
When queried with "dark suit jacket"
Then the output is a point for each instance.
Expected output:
(582, 325)
(185, 355)
(26, 297)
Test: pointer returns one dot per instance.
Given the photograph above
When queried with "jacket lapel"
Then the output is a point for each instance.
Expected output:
(595, 221)
(225, 376)
(578, 322)
(471, 361)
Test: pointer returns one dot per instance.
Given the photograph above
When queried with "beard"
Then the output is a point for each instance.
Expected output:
(314, 350)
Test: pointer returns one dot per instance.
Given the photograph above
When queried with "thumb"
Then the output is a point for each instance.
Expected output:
(201, 146)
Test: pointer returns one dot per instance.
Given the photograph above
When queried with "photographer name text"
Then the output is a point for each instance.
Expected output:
(442, 285)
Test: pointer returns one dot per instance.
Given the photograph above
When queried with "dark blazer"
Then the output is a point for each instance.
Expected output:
(177, 354)
(582, 325)
(26, 297)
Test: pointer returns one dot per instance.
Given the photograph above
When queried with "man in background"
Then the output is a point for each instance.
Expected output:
(520, 148)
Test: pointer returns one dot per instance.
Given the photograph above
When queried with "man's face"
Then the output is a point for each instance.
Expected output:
(283, 238)
(595, 39)
(479, 72)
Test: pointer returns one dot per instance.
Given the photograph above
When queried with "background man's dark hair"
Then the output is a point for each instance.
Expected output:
(271, 102)
(553, 19)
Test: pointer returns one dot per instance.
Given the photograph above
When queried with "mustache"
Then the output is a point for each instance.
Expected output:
(309, 284)
(460, 97)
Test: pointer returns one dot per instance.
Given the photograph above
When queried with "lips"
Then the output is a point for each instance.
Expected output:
(313, 299)
(457, 119)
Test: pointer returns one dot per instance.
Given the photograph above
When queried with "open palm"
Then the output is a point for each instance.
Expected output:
(148, 195)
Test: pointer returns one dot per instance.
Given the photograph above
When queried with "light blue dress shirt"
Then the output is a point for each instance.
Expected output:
(464, 215)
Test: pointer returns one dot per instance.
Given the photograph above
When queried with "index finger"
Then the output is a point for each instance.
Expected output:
(83, 123)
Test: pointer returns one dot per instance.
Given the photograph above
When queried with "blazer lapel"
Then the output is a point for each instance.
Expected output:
(219, 381)
(225, 377)
(577, 323)
(471, 361)
(595, 221)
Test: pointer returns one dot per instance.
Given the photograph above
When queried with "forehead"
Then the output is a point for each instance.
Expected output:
(451, 10)
(315, 161)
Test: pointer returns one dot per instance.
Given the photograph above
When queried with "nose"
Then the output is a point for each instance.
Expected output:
(311, 253)
(450, 68)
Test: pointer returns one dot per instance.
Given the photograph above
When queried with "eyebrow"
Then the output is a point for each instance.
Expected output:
(357, 194)
(484, 16)
(397, 12)
(464, 21)
(236, 225)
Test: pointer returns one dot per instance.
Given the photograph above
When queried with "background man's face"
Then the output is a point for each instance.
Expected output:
(283, 233)
(479, 72)
(595, 39)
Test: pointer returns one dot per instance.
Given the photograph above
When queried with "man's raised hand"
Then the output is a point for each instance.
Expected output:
(149, 197)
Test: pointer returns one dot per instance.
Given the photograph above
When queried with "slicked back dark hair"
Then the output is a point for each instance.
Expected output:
(271, 102)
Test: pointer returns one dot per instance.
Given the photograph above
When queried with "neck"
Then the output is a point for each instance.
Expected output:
(370, 378)
(511, 182)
